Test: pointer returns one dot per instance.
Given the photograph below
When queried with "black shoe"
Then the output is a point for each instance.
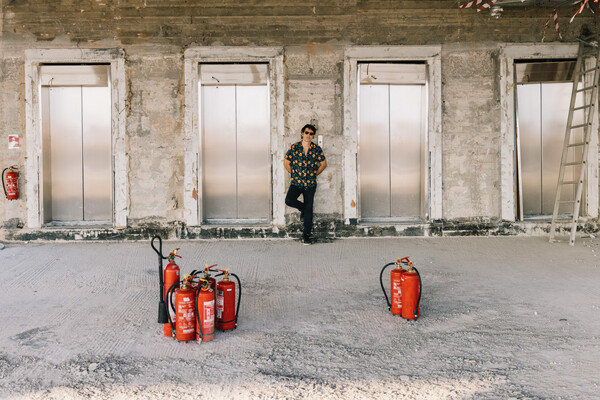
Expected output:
(306, 240)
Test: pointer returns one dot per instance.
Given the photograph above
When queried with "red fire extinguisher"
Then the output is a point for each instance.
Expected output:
(205, 312)
(11, 185)
(411, 293)
(227, 312)
(405, 289)
(171, 277)
(185, 322)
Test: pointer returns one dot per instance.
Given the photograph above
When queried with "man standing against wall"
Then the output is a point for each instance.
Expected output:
(304, 161)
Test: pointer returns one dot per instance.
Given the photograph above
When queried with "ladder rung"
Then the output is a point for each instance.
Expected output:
(580, 125)
(567, 201)
(589, 70)
(569, 182)
(582, 107)
(577, 144)
(586, 88)
(573, 163)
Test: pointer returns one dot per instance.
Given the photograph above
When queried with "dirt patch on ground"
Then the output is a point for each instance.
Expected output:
(501, 318)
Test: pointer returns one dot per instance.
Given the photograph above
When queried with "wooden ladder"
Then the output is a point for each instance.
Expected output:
(584, 97)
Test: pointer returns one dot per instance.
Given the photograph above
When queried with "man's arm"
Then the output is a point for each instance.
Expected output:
(287, 165)
(322, 167)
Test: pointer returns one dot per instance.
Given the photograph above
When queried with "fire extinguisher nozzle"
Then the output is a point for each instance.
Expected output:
(162, 313)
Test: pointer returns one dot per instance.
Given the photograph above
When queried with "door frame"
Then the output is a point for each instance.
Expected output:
(193, 57)
(115, 58)
(354, 55)
(508, 168)
(423, 159)
(238, 86)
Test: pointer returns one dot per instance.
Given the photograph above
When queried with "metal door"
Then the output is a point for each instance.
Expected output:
(235, 143)
(76, 136)
(392, 164)
(542, 109)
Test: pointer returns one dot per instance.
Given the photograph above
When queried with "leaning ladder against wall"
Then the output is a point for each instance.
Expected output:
(584, 96)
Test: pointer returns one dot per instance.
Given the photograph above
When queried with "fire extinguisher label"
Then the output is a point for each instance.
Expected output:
(208, 325)
(220, 304)
(209, 315)
(397, 294)
(186, 318)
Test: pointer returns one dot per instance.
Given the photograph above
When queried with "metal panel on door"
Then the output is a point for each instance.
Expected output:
(542, 112)
(219, 137)
(235, 142)
(77, 143)
(46, 157)
(253, 151)
(392, 165)
(555, 99)
(405, 148)
(374, 155)
(528, 98)
(66, 153)
(97, 166)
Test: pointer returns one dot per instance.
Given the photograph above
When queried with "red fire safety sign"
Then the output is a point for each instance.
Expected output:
(13, 141)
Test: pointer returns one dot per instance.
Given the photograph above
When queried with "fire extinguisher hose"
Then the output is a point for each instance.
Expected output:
(3, 185)
(237, 309)
(416, 310)
(381, 283)
(198, 334)
(162, 308)
(170, 305)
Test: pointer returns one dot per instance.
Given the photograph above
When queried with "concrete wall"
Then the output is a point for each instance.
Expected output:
(471, 144)
(314, 36)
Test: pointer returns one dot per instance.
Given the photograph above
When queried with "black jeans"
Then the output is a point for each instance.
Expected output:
(291, 200)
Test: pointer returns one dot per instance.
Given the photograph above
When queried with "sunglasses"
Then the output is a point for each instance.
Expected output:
(309, 133)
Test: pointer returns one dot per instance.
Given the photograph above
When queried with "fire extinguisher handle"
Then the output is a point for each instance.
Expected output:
(381, 283)
(159, 250)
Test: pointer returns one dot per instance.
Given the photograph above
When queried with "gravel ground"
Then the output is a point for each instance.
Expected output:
(501, 318)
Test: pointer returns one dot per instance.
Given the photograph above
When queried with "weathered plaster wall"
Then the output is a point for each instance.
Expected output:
(470, 131)
(155, 127)
(155, 33)
(11, 123)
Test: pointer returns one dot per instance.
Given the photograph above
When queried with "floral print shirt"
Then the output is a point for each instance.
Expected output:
(304, 167)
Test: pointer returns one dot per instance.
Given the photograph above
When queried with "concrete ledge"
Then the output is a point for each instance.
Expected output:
(326, 229)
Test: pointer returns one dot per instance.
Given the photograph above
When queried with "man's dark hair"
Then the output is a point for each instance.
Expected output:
(309, 126)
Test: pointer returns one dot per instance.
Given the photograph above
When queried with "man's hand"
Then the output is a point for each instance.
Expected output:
(288, 166)
(322, 167)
